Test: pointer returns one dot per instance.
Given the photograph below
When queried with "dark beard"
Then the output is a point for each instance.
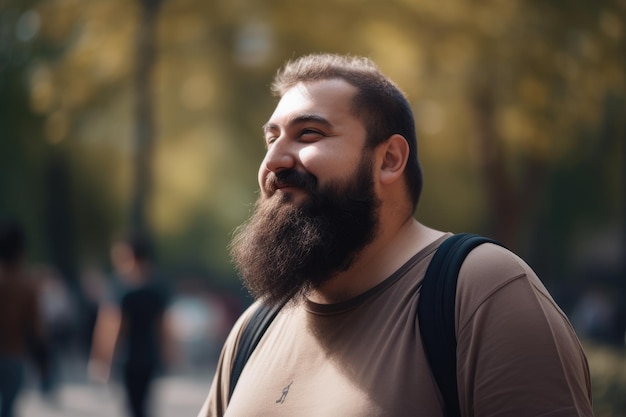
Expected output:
(285, 250)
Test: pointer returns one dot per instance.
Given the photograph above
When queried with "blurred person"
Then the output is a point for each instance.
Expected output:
(22, 335)
(93, 287)
(595, 316)
(58, 316)
(135, 328)
(333, 240)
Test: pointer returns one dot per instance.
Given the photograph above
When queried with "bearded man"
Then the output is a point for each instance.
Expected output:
(333, 240)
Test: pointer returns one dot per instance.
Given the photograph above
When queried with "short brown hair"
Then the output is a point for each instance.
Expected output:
(379, 103)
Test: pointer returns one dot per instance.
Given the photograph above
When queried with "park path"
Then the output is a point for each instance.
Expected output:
(174, 396)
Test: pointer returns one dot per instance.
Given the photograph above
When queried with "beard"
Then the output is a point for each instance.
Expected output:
(286, 250)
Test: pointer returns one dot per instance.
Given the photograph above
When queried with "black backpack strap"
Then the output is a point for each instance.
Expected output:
(436, 313)
(250, 337)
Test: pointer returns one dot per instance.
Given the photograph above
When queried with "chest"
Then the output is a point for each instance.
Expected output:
(349, 365)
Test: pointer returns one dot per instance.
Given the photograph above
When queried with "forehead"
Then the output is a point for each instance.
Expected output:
(331, 99)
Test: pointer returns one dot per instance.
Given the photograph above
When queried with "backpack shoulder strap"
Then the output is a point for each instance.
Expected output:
(436, 313)
(250, 337)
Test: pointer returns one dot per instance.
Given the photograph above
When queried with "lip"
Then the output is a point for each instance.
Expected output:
(288, 188)
(289, 191)
(284, 186)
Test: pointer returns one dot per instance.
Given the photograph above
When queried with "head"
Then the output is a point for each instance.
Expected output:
(132, 255)
(319, 206)
(381, 106)
(12, 243)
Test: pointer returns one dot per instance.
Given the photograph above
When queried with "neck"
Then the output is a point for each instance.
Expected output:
(393, 247)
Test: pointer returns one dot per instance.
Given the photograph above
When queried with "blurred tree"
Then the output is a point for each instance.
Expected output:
(58, 214)
(502, 91)
(538, 83)
(38, 168)
(145, 125)
(22, 152)
(520, 109)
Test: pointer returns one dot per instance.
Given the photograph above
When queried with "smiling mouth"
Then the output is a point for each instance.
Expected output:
(288, 193)
(289, 189)
(289, 182)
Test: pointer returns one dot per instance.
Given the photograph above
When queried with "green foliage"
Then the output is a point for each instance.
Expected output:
(510, 98)
(608, 376)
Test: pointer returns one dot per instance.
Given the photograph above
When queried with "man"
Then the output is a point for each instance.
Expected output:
(135, 327)
(22, 333)
(333, 236)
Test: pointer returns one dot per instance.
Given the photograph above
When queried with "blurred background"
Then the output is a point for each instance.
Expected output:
(125, 114)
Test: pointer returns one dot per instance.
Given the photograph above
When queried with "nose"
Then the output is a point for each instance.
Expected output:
(280, 155)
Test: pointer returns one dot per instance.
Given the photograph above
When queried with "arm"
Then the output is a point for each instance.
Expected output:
(106, 333)
(171, 353)
(517, 352)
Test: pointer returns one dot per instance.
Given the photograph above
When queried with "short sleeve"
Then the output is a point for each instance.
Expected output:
(517, 353)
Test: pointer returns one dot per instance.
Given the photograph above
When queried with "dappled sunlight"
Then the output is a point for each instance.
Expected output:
(193, 172)
(519, 112)
(183, 176)
(396, 54)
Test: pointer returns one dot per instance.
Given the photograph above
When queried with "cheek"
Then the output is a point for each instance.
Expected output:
(310, 157)
(320, 159)
(335, 162)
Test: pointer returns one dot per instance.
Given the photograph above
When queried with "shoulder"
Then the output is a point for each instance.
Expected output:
(219, 393)
(244, 320)
(490, 266)
(233, 339)
(513, 337)
(490, 259)
(491, 270)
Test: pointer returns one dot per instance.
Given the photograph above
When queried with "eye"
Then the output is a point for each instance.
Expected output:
(269, 140)
(310, 134)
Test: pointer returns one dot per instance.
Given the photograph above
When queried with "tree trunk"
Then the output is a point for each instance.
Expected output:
(510, 201)
(502, 198)
(145, 125)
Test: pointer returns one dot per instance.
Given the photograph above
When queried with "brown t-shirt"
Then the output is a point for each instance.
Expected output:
(517, 354)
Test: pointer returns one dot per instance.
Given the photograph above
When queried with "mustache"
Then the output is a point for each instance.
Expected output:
(291, 178)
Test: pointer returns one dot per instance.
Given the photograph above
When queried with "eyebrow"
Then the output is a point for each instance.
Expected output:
(303, 118)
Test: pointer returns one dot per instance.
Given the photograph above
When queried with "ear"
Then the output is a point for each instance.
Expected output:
(395, 153)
